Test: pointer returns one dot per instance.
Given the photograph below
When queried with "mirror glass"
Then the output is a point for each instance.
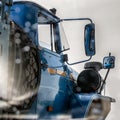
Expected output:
(89, 39)
(109, 62)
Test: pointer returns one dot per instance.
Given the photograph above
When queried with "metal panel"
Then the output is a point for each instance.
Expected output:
(4, 57)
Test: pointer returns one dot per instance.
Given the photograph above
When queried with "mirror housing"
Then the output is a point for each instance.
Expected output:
(89, 39)
(109, 62)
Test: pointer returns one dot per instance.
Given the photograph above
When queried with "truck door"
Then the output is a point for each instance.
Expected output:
(52, 89)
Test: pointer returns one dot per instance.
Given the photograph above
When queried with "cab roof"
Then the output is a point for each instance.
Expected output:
(48, 15)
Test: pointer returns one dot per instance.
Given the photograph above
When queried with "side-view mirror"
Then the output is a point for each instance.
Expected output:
(89, 39)
(109, 62)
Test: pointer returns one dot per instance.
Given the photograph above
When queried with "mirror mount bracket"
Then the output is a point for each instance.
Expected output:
(79, 61)
(104, 81)
(72, 19)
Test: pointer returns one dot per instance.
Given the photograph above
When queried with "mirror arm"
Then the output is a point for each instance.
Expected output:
(104, 81)
(79, 61)
(72, 19)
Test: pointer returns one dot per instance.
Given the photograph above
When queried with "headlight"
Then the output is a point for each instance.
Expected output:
(99, 108)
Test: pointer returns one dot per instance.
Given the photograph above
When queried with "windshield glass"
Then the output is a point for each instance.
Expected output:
(64, 41)
(50, 36)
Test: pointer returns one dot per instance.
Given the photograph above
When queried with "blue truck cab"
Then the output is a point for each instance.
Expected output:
(38, 82)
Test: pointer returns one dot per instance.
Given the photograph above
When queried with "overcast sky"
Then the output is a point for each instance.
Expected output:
(105, 14)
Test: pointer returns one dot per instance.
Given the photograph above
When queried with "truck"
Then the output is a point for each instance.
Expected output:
(36, 80)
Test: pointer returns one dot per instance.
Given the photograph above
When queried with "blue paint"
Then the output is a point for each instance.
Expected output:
(80, 104)
(55, 90)
(25, 15)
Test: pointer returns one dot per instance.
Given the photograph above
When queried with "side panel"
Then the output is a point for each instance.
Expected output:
(53, 88)
(79, 104)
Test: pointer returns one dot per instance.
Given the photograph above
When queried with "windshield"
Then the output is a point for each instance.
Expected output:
(51, 34)
(64, 41)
